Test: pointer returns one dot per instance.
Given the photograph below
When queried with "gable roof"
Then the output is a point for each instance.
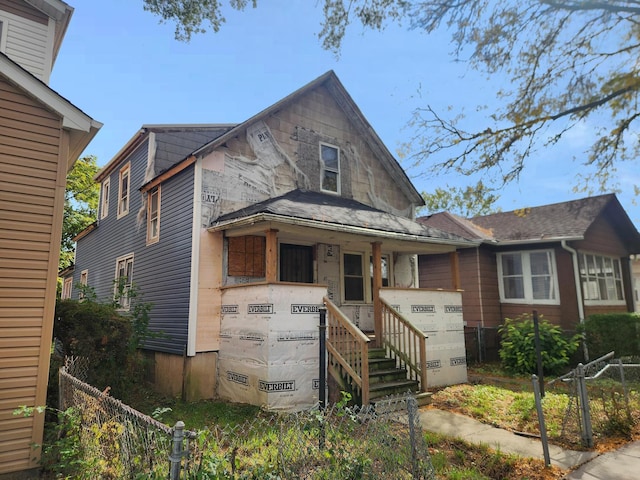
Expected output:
(190, 136)
(555, 222)
(330, 81)
(81, 127)
(331, 212)
(61, 13)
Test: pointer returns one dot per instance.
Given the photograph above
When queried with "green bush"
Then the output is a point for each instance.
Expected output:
(518, 348)
(98, 332)
(612, 332)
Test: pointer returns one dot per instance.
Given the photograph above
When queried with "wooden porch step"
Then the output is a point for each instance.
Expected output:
(376, 364)
(378, 390)
(387, 375)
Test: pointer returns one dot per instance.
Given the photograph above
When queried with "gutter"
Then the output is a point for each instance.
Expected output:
(576, 278)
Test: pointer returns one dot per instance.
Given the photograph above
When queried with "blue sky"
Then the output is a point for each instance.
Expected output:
(124, 69)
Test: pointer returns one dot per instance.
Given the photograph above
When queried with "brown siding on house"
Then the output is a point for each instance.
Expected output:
(32, 181)
(477, 269)
(601, 238)
(24, 10)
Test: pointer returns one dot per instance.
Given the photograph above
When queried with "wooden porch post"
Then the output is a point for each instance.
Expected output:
(271, 254)
(455, 270)
(376, 250)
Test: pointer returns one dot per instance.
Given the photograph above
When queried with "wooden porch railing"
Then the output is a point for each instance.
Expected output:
(348, 347)
(406, 343)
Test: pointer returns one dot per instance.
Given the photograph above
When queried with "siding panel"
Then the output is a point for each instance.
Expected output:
(31, 202)
(29, 41)
(161, 271)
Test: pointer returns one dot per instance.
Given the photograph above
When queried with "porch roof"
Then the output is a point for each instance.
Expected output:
(303, 213)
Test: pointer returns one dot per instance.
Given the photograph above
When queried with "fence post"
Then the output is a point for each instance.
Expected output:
(412, 411)
(543, 426)
(176, 452)
(587, 432)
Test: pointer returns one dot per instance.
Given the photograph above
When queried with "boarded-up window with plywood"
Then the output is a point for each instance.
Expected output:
(247, 256)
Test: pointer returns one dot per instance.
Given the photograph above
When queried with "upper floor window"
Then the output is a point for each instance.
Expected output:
(84, 281)
(601, 279)
(153, 215)
(528, 277)
(330, 168)
(123, 281)
(123, 190)
(104, 200)
(67, 286)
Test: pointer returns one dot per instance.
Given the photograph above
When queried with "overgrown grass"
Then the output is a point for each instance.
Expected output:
(507, 401)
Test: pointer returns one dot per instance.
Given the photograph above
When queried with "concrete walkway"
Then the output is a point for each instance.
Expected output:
(473, 431)
(621, 464)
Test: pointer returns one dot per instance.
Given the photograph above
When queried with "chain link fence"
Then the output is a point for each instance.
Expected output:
(603, 399)
(381, 441)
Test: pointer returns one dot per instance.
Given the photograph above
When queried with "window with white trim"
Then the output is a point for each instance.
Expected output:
(153, 215)
(104, 199)
(123, 281)
(67, 286)
(123, 190)
(353, 277)
(528, 277)
(330, 168)
(84, 281)
(601, 279)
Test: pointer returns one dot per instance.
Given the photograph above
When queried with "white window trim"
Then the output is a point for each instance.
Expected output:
(116, 278)
(4, 27)
(84, 280)
(125, 169)
(153, 239)
(105, 193)
(591, 303)
(365, 280)
(323, 168)
(67, 288)
(526, 274)
(367, 276)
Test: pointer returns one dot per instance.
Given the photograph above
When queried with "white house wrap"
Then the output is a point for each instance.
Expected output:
(441, 320)
(269, 346)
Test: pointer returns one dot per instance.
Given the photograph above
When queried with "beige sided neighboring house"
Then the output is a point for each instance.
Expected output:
(41, 136)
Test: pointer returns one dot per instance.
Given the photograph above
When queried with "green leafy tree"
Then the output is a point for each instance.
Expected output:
(80, 205)
(564, 62)
(468, 201)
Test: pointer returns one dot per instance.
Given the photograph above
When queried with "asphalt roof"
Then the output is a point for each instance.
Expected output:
(332, 209)
(564, 220)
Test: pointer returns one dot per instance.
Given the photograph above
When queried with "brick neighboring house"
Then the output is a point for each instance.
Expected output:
(566, 260)
(41, 136)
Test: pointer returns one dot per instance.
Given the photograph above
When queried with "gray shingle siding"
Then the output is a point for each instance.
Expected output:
(161, 271)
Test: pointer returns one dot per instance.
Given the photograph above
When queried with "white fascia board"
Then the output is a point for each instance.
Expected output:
(73, 117)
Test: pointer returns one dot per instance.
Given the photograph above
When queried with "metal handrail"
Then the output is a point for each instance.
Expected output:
(406, 344)
(348, 346)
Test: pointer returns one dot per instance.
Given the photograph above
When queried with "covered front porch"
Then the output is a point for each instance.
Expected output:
(283, 264)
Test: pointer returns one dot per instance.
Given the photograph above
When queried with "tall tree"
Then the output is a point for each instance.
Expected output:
(565, 61)
(80, 205)
(469, 201)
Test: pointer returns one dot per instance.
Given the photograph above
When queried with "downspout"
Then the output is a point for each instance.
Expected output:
(576, 278)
